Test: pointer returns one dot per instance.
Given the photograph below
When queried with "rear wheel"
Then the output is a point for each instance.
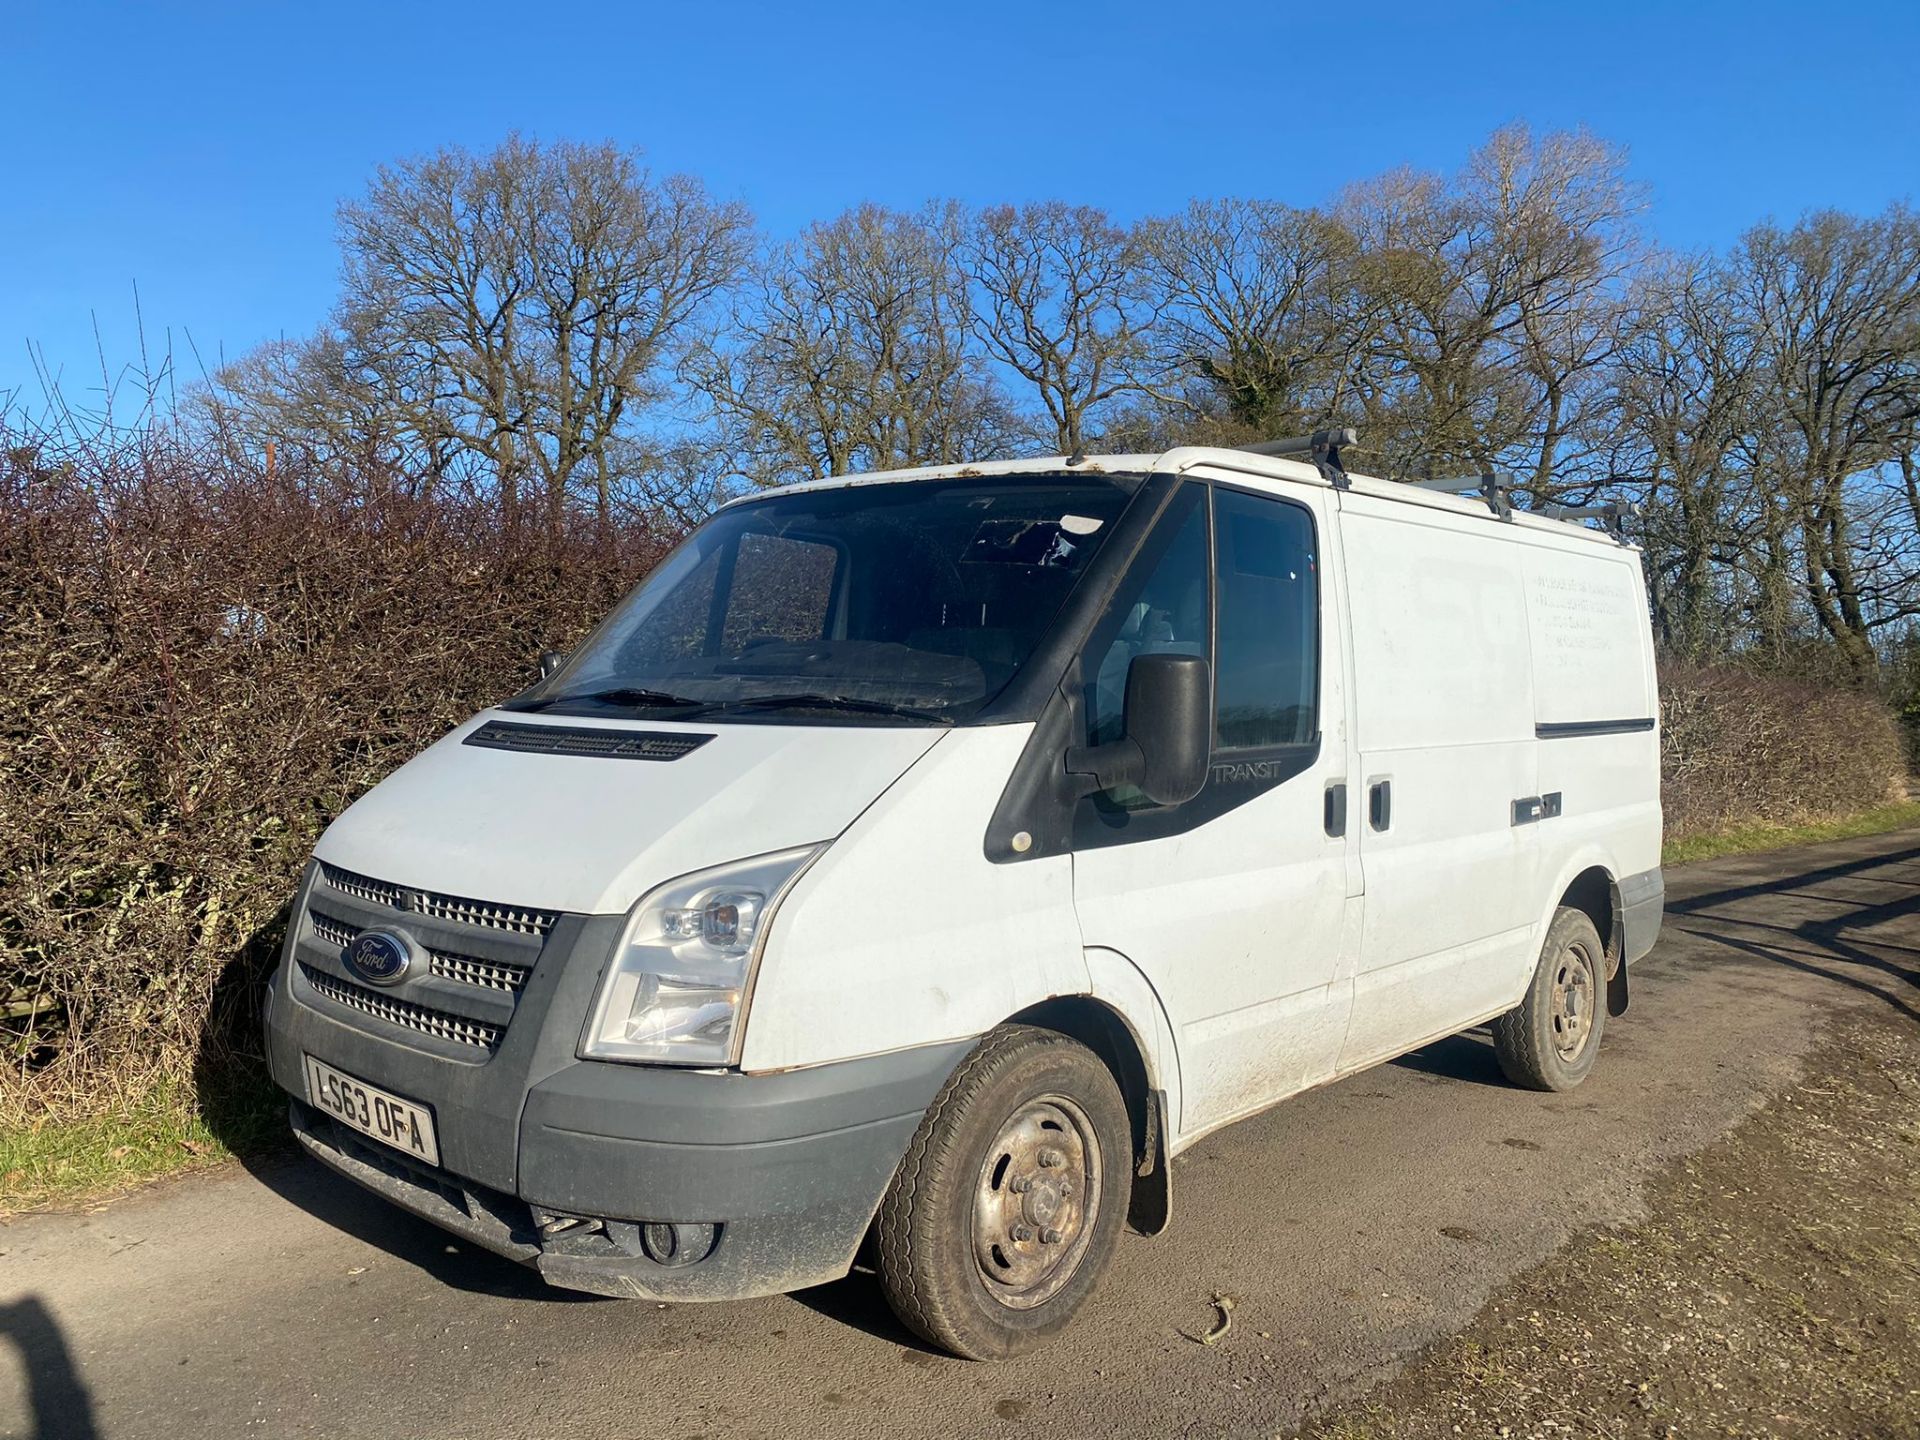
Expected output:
(1011, 1197)
(1551, 1039)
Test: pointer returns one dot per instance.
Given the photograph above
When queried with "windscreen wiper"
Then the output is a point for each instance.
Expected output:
(810, 700)
(619, 695)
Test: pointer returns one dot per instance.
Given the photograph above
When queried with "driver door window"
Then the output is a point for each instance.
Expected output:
(1268, 627)
(1238, 587)
(1160, 609)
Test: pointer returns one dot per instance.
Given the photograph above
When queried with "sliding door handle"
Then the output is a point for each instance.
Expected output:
(1380, 804)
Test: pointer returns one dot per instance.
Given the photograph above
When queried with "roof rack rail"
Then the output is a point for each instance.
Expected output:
(1323, 446)
(1612, 513)
(1491, 485)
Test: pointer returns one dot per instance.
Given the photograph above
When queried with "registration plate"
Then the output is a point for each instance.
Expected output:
(405, 1126)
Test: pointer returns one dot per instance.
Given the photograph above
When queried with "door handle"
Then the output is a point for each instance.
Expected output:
(1380, 804)
(1336, 811)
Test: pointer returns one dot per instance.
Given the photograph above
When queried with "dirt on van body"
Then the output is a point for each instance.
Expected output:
(1773, 1291)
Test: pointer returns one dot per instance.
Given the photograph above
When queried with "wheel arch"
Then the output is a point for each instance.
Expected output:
(1592, 887)
(1107, 1032)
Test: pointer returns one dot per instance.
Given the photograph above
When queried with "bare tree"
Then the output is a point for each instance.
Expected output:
(1834, 303)
(1247, 309)
(1682, 398)
(852, 348)
(1486, 300)
(1060, 300)
(521, 307)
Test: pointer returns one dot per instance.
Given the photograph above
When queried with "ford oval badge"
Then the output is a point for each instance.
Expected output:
(379, 956)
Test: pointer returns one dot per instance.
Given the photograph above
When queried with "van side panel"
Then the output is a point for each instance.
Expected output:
(903, 933)
(1445, 714)
(1597, 709)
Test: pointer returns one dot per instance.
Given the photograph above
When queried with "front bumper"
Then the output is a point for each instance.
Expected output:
(787, 1168)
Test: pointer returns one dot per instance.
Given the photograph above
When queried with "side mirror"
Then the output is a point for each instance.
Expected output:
(1169, 717)
(1169, 713)
(550, 661)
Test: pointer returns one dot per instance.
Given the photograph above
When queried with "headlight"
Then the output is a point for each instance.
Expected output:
(674, 992)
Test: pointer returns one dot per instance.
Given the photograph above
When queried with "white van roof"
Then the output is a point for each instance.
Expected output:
(1187, 457)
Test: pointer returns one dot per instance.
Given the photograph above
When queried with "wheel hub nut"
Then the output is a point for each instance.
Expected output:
(1049, 1236)
(1050, 1158)
(1021, 1232)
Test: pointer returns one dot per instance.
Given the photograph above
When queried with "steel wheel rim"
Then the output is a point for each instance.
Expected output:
(1575, 997)
(1036, 1202)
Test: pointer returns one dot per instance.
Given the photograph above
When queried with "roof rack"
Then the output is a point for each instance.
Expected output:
(1492, 486)
(1612, 513)
(1323, 446)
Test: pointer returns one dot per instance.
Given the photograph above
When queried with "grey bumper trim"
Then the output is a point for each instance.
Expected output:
(1643, 903)
(789, 1165)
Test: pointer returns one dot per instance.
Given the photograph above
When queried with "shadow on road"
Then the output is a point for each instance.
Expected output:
(338, 1202)
(1467, 1056)
(57, 1401)
(1847, 943)
(857, 1303)
(1805, 880)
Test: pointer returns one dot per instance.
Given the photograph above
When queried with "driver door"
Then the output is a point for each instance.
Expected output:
(1236, 904)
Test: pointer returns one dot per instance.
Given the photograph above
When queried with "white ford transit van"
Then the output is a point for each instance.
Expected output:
(935, 855)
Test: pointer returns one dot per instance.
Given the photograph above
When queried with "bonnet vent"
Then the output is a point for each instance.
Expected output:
(580, 740)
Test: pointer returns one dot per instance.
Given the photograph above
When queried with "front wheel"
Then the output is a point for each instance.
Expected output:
(1551, 1039)
(1011, 1197)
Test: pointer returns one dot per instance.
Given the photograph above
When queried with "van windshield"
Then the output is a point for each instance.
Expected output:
(909, 601)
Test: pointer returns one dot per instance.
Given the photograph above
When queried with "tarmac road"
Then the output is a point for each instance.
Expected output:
(1353, 1226)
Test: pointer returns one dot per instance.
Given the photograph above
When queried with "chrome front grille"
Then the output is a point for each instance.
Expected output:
(333, 931)
(481, 914)
(470, 970)
(466, 969)
(423, 1019)
(472, 958)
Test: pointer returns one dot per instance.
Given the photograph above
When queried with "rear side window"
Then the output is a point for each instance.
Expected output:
(1267, 599)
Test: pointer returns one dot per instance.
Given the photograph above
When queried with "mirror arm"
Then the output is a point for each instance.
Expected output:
(1119, 762)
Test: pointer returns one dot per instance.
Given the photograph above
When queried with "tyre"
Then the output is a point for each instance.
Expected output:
(1008, 1204)
(1551, 1039)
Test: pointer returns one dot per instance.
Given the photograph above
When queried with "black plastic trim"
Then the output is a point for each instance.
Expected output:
(1380, 806)
(1568, 729)
(1335, 805)
(1234, 777)
(592, 741)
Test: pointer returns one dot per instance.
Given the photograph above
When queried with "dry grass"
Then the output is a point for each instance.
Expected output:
(1746, 839)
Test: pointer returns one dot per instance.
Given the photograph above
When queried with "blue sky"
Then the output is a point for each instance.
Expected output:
(198, 150)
